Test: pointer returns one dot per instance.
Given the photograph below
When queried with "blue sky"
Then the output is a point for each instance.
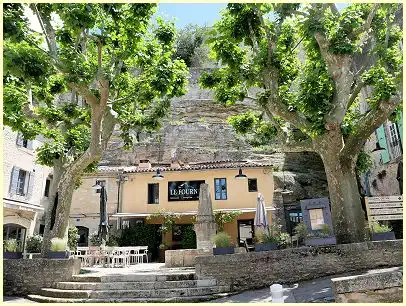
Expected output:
(197, 13)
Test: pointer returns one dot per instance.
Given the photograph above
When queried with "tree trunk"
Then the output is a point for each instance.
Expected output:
(346, 209)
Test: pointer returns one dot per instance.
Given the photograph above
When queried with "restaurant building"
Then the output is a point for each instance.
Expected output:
(138, 192)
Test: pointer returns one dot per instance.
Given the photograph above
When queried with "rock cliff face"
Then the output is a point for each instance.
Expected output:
(196, 130)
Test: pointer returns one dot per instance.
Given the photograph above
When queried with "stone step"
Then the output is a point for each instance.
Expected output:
(154, 293)
(139, 277)
(184, 299)
(135, 285)
(148, 277)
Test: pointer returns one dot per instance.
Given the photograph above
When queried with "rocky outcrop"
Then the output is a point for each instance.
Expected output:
(196, 130)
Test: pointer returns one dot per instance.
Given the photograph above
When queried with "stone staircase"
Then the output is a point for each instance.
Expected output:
(158, 287)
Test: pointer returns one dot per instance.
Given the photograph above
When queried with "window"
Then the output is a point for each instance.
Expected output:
(41, 229)
(21, 182)
(316, 218)
(394, 141)
(252, 185)
(220, 187)
(47, 184)
(24, 142)
(153, 193)
(22, 176)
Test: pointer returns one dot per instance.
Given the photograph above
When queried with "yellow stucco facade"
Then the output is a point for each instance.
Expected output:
(135, 195)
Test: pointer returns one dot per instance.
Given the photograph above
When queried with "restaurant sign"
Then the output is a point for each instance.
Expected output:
(184, 190)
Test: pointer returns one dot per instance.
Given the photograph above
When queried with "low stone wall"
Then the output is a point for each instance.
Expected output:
(27, 276)
(182, 258)
(187, 257)
(261, 269)
(377, 286)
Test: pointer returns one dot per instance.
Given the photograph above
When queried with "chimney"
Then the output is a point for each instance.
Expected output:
(144, 163)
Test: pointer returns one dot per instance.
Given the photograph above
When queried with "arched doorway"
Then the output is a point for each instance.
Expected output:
(14, 231)
(83, 232)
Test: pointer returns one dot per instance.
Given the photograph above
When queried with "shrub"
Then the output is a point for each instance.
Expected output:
(284, 240)
(95, 240)
(12, 245)
(326, 230)
(73, 238)
(301, 230)
(58, 245)
(112, 241)
(379, 228)
(189, 238)
(34, 244)
(222, 240)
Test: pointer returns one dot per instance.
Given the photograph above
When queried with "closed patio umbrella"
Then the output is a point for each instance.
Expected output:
(103, 226)
(261, 219)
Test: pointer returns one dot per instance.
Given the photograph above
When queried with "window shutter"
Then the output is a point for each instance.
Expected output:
(19, 139)
(400, 128)
(14, 179)
(30, 184)
(380, 132)
(30, 144)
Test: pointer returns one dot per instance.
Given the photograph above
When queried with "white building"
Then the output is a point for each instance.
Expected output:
(25, 187)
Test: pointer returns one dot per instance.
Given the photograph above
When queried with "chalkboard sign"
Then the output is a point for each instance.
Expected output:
(184, 190)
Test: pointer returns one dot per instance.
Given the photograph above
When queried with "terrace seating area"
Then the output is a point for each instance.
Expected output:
(111, 257)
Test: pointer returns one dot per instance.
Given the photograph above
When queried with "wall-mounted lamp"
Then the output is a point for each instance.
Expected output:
(158, 175)
(240, 175)
(378, 147)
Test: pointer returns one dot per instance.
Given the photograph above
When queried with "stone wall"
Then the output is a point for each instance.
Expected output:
(27, 276)
(377, 286)
(182, 258)
(257, 270)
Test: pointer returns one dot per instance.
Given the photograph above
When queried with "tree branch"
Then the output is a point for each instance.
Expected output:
(47, 28)
(355, 93)
(367, 125)
(268, 35)
(365, 27)
(90, 98)
(277, 108)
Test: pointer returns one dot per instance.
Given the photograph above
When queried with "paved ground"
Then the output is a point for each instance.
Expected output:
(318, 290)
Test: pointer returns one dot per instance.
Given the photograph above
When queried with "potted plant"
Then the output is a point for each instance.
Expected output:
(34, 244)
(223, 245)
(268, 240)
(323, 236)
(58, 249)
(12, 249)
(285, 241)
(381, 232)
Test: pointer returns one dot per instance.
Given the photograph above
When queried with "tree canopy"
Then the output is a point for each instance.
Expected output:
(94, 45)
(306, 67)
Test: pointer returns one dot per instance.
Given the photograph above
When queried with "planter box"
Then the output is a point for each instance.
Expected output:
(321, 241)
(58, 255)
(223, 250)
(265, 247)
(383, 236)
(12, 255)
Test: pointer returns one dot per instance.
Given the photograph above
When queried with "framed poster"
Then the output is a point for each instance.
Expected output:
(184, 190)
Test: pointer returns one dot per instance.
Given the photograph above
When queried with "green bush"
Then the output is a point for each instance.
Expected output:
(58, 245)
(189, 238)
(34, 244)
(95, 240)
(326, 230)
(222, 240)
(301, 230)
(72, 238)
(379, 228)
(284, 240)
(112, 241)
(12, 245)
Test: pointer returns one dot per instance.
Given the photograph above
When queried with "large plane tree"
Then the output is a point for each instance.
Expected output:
(87, 69)
(305, 66)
